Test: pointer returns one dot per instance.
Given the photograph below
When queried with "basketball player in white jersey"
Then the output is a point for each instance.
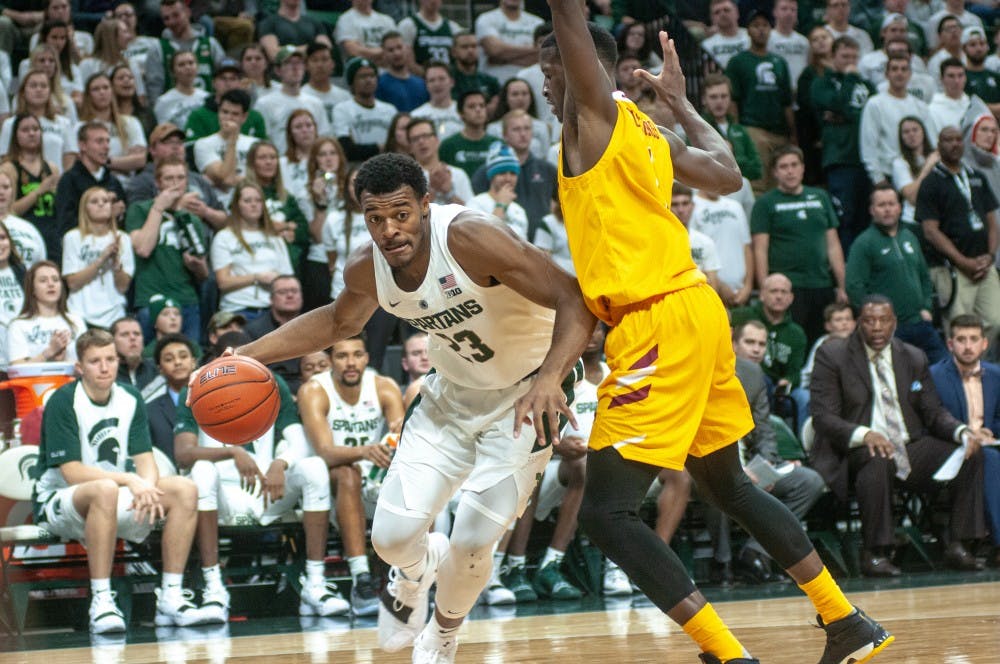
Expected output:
(346, 411)
(500, 354)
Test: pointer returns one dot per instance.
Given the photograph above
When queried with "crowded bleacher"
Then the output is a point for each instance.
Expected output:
(177, 177)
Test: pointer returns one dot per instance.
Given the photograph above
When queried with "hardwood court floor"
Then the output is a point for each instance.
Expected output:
(957, 624)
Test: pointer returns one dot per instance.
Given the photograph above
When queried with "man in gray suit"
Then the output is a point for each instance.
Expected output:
(878, 421)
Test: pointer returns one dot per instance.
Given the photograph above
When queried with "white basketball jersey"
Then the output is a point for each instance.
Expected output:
(357, 424)
(480, 337)
(584, 406)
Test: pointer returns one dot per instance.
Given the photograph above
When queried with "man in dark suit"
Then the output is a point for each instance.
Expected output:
(175, 356)
(970, 390)
(878, 417)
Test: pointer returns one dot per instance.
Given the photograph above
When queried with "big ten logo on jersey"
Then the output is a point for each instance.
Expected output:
(212, 374)
(449, 286)
(648, 127)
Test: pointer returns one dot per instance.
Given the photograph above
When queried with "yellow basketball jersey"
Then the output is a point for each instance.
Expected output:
(627, 245)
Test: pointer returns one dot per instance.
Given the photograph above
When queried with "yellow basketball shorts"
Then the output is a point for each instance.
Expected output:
(672, 390)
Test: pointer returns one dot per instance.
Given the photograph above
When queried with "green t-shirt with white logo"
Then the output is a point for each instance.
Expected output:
(797, 226)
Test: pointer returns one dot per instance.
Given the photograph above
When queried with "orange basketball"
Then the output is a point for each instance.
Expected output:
(235, 399)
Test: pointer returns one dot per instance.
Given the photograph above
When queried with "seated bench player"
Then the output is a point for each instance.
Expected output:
(91, 429)
(260, 482)
(345, 412)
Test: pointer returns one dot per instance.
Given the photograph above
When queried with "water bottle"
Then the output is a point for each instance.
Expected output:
(331, 187)
(376, 474)
(190, 238)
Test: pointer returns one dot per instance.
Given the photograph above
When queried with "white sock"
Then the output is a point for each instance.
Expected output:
(100, 586)
(171, 584)
(552, 555)
(516, 561)
(442, 633)
(358, 565)
(498, 559)
(315, 571)
(212, 576)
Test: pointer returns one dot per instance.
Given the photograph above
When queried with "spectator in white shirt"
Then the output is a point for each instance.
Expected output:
(872, 65)
(728, 38)
(59, 144)
(359, 31)
(278, 105)
(725, 222)
(98, 262)
(836, 16)
(319, 66)
(361, 123)
(127, 152)
(506, 38)
(222, 157)
(948, 107)
(441, 108)
(879, 132)
(177, 103)
(954, 8)
(786, 42)
(248, 255)
(502, 170)
(45, 330)
(917, 158)
(949, 32)
(703, 250)
(447, 183)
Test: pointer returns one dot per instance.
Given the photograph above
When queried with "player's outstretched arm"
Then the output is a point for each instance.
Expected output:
(489, 252)
(343, 318)
(708, 163)
(591, 113)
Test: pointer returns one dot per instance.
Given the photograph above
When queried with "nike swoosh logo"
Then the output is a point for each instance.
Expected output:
(392, 304)
(886, 250)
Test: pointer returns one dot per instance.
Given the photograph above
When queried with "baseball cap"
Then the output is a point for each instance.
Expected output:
(287, 52)
(228, 64)
(893, 17)
(224, 318)
(971, 32)
(755, 12)
(164, 131)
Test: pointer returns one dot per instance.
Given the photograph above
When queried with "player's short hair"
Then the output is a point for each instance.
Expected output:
(966, 321)
(741, 328)
(385, 173)
(882, 186)
(172, 338)
(93, 338)
(239, 97)
(830, 310)
(876, 300)
(681, 189)
(604, 42)
(317, 47)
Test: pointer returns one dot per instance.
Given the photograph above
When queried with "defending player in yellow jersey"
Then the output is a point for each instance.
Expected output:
(672, 399)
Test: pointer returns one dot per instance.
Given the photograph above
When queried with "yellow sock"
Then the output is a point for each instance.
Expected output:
(711, 634)
(827, 597)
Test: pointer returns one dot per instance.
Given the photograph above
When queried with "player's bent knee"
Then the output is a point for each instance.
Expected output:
(346, 478)
(204, 474)
(314, 472)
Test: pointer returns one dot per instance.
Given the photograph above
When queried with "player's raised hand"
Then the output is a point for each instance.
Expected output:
(544, 402)
(669, 84)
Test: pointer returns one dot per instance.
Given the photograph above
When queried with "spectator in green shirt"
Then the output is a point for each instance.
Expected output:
(794, 231)
(716, 97)
(786, 341)
(762, 89)
(467, 149)
(204, 121)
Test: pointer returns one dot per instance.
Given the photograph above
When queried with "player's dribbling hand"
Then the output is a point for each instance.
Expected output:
(193, 378)
(544, 401)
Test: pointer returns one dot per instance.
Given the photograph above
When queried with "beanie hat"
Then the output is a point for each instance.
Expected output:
(157, 303)
(352, 67)
(501, 159)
